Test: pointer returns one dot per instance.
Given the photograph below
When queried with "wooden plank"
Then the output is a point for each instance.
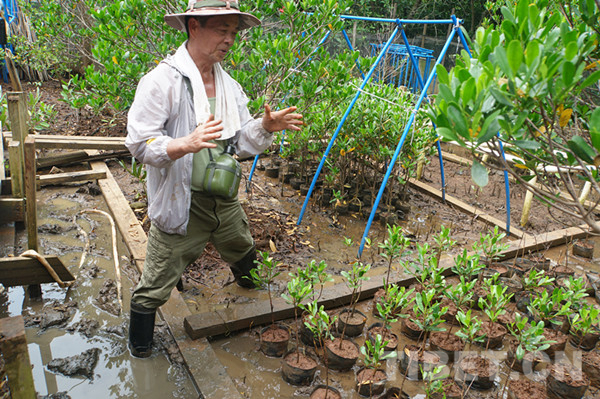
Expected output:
(78, 157)
(463, 206)
(20, 270)
(13, 345)
(30, 193)
(243, 316)
(16, 169)
(12, 210)
(70, 177)
(15, 82)
(78, 142)
(209, 375)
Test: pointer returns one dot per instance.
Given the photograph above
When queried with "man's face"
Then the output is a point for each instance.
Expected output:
(216, 37)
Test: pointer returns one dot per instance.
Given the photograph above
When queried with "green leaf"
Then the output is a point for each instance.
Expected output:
(447, 134)
(591, 79)
(582, 149)
(490, 127)
(571, 50)
(500, 97)
(568, 73)
(595, 128)
(458, 121)
(479, 174)
(501, 60)
(532, 52)
(527, 144)
(515, 55)
(442, 74)
(468, 91)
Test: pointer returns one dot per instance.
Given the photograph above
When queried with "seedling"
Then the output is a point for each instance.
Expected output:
(434, 382)
(428, 314)
(374, 354)
(494, 302)
(443, 242)
(393, 247)
(320, 323)
(534, 279)
(394, 299)
(549, 308)
(469, 328)
(354, 279)
(461, 294)
(263, 275)
(584, 322)
(575, 291)
(298, 290)
(490, 245)
(467, 266)
(316, 275)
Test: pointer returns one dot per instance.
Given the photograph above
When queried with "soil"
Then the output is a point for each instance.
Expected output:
(568, 374)
(325, 393)
(275, 334)
(348, 350)
(478, 366)
(558, 337)
(300, 361)
(591, 366)
(493, 332)
(527, 389)
(508, 316)
(369, 375)
(448, 342)
(351, 318)
(451, 389)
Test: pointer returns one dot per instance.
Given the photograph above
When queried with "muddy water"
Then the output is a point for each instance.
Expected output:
(117, 374)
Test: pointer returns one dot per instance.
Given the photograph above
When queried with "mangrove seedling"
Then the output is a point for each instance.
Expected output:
(490, 245)
(443, 242)
(584, 322)
(320, 323)
(576, 291)
(298, 290)
(550, 308)
(434, 382)
(428, 314)
(263, 275)
(469, 328)
(527, 339)
(466, 265)
(494, 303)
(393, 247)
(461, 294)
(316, 274)
(374, 354)
(354, 279)
(391, 303)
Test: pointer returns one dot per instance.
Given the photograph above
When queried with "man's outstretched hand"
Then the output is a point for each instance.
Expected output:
(275, 121)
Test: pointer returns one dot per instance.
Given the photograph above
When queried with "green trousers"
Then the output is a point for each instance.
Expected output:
(220, 221)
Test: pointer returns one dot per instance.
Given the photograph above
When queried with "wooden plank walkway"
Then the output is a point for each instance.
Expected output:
(208, 374)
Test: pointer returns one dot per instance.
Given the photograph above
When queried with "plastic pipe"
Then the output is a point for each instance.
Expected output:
(401, 143)
(337, 131)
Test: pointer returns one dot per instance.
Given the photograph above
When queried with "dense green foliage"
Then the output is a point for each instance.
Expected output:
(534, 80)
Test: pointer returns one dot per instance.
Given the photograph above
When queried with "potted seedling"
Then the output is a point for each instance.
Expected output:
(388, 309)
(459, 296)
(527, 340)
(428, 317)
(274, 338)
(393, 247)
(467, 266)
(298, 368)
(552, 309)
(321, 324)
(533, 283)
(493, 305)
(489, 246)
(351, 322)
(437, 386)
(443, 242)
(316, 275)
(371, 379)
(585, 330)
(473, 370)
(566, 381)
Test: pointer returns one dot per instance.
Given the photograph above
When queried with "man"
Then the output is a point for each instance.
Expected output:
(184, 113)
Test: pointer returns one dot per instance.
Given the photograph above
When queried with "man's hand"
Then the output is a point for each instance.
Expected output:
(196, 140)
(275, 121)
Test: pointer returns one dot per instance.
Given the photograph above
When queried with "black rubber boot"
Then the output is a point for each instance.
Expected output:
(242, 268)
(141, 330)
(180, 285)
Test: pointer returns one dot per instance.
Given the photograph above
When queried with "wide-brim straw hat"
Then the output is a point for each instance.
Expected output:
(210, 8)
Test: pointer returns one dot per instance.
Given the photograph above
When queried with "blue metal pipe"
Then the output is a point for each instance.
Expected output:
(401, 143)
(403, 21)
(341, 124)
(412, 58)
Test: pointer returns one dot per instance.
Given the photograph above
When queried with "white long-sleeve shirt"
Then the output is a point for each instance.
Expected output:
(163, 110)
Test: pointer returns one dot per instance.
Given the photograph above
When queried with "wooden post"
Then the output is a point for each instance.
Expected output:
(16, 169)
(30, 194)
(17, 112)
(13, 345)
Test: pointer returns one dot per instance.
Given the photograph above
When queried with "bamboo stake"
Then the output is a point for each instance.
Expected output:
(115, 253)
(527, 203)
(585, 192)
